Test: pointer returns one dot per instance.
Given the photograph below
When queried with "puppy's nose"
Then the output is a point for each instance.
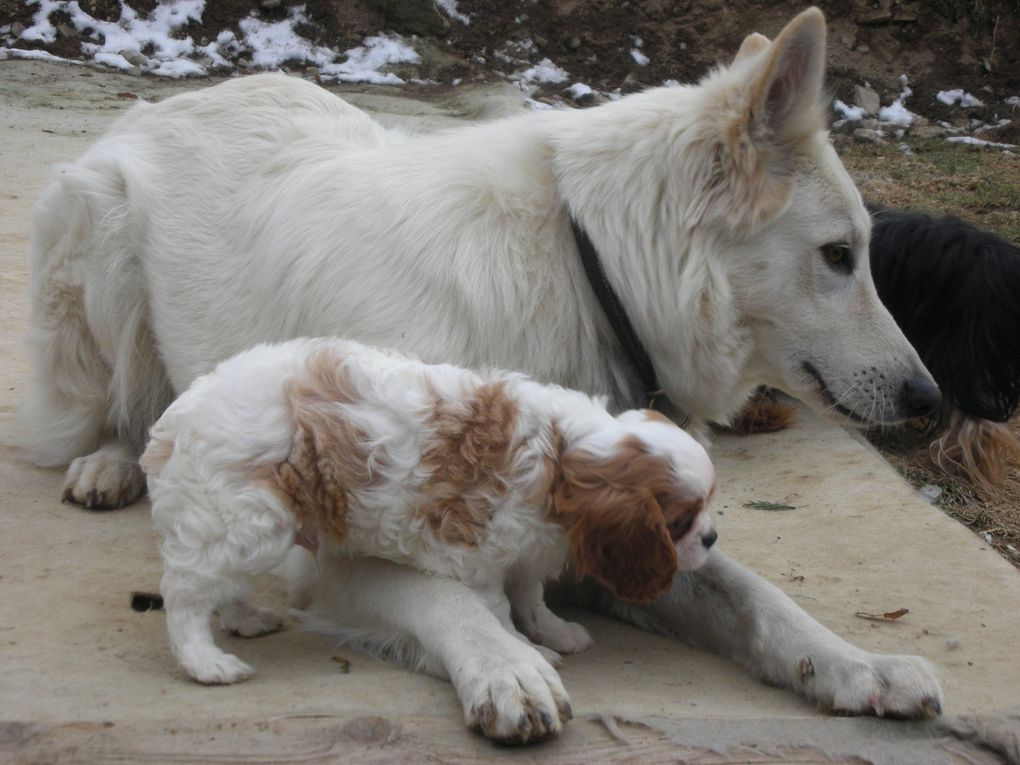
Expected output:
(709, 539)
(920, 396)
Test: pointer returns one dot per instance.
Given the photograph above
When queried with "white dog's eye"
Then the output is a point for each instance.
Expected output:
(838, 255)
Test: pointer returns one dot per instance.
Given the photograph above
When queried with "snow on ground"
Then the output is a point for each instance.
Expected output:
(852, 113)
(545, 71)
(155, 42)
(958, 96)
(896, 113)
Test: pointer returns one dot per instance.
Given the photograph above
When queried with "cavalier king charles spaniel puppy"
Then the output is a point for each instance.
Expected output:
(489, 478)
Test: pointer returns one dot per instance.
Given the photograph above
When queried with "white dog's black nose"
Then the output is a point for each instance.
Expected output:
(920, 396)
(709, 539)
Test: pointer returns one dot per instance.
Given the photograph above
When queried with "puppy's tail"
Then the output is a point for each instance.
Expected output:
(977, 449)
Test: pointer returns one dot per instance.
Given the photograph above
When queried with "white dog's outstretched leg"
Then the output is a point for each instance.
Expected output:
(725, 608)
(509, 692)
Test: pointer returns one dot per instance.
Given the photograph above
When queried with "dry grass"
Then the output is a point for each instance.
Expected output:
(984, 187)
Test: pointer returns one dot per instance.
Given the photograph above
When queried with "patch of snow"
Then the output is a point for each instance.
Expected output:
(449, 7)
(37, 55)
(639, 58)
(545, 71)
(181, 67)
(971, 141)
(1013, 101)
(364, 61)
(537, 105)
(851, 113)
(114, 60)
(896, 113)
(671, 83)
(579, 90)
(274, 43)
(42, 30)
(958, 95)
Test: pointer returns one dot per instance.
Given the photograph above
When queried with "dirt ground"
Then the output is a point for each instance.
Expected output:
(938, 44)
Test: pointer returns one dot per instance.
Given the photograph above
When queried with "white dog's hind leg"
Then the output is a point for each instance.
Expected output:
(508, 691)
(109, 477)
(535, 620)
(727, 609)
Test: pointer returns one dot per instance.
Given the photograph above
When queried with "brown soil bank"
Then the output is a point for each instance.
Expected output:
(938, 44)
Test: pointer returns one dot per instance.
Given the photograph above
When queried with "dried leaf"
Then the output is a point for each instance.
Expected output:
(888, 616)
(761, 504)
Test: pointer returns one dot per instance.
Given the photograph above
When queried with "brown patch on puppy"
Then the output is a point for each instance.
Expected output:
(327, 459)
(622, 514)
(468, 462)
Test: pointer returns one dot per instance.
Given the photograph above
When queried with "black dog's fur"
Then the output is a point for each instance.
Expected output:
(954, 289)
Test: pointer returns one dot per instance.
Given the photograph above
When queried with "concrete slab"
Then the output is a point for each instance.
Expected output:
(87, 679)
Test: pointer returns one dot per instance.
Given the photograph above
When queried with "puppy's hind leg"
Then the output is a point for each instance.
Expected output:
(189, 602)
(533, 617)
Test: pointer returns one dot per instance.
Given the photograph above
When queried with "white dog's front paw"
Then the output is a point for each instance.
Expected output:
(247, 621)
(216, 667)
(514, 697)
(106, 479)
(869, 683)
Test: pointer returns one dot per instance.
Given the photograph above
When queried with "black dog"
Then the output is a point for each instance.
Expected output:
(954, 289)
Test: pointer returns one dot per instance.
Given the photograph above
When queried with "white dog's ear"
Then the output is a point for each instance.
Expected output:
(778, 111)
(753, 44)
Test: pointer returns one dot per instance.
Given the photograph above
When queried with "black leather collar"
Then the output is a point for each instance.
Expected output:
(633, 348)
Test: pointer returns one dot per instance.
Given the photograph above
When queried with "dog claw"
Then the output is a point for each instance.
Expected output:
(876, 704)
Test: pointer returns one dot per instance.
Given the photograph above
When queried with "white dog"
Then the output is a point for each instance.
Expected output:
(266, 208)
(491, 479)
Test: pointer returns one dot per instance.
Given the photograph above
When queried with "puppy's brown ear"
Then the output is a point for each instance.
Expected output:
(615, 526)
(753, 44)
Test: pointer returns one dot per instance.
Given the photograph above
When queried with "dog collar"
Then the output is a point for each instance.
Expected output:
(655, 397)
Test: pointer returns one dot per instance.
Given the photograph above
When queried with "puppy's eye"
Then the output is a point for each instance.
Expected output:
(839, 255)
(679, 527)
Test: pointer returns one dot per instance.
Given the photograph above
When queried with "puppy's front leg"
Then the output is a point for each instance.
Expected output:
(509, 692)
(727, 609)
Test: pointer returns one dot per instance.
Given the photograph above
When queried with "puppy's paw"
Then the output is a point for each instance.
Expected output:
(248, 621)
(513, 697)
(217, 668)
(565, 637)
(867, 683)
(106, 479)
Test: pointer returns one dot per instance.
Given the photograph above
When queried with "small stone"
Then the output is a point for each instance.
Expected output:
(66, 30)
(270, 5)
(574, 42)
(864, 135)
(867, 99)
(867, 124)
(927, 131)
(17, 28)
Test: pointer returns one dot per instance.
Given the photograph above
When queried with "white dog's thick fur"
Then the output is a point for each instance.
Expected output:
(266, 208)
(491, 479)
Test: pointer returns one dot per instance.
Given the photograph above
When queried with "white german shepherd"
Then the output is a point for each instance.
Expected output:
(265, 208)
